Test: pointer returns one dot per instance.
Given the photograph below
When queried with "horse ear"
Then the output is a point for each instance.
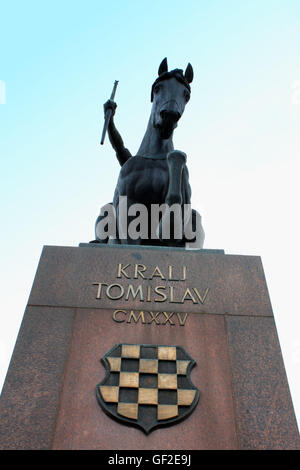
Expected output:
(189, 74)
(163, 67)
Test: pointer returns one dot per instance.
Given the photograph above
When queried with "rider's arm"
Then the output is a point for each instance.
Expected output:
(116, 141)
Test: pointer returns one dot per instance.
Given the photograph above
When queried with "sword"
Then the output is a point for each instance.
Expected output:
(108, 113)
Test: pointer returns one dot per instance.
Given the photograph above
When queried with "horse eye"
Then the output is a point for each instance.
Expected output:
(186, 95)
(156, 88)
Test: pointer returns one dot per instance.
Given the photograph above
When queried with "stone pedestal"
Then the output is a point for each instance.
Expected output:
(86, 299)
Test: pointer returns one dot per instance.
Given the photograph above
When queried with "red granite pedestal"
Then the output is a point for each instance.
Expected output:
(214, 305)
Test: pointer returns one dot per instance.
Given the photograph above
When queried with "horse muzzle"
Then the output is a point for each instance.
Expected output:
(170, 116)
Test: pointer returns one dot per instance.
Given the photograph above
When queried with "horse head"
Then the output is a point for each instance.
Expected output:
(169, 95)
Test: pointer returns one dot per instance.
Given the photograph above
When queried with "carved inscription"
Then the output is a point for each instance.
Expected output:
(148, 317)
(130, 285)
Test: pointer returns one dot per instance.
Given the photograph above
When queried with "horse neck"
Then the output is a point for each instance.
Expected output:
(152, 144)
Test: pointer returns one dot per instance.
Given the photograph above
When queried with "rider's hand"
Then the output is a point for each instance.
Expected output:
(110, 105)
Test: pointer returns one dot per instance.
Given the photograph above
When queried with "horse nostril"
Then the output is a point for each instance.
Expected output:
(162, 114)
(172, 116)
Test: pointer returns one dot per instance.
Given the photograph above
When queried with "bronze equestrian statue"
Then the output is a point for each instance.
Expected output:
(157, 174)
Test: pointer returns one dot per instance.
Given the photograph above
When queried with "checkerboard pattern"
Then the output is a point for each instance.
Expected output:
(147, 377)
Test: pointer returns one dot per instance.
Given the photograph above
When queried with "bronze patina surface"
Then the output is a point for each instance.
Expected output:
(157, 174)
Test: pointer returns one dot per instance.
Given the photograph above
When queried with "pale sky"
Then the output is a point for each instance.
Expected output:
(240, 131)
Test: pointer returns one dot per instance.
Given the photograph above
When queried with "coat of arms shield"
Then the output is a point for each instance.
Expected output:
(147, 385)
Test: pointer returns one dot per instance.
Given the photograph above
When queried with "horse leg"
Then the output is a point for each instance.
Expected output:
(174, 201)
(176, 160)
